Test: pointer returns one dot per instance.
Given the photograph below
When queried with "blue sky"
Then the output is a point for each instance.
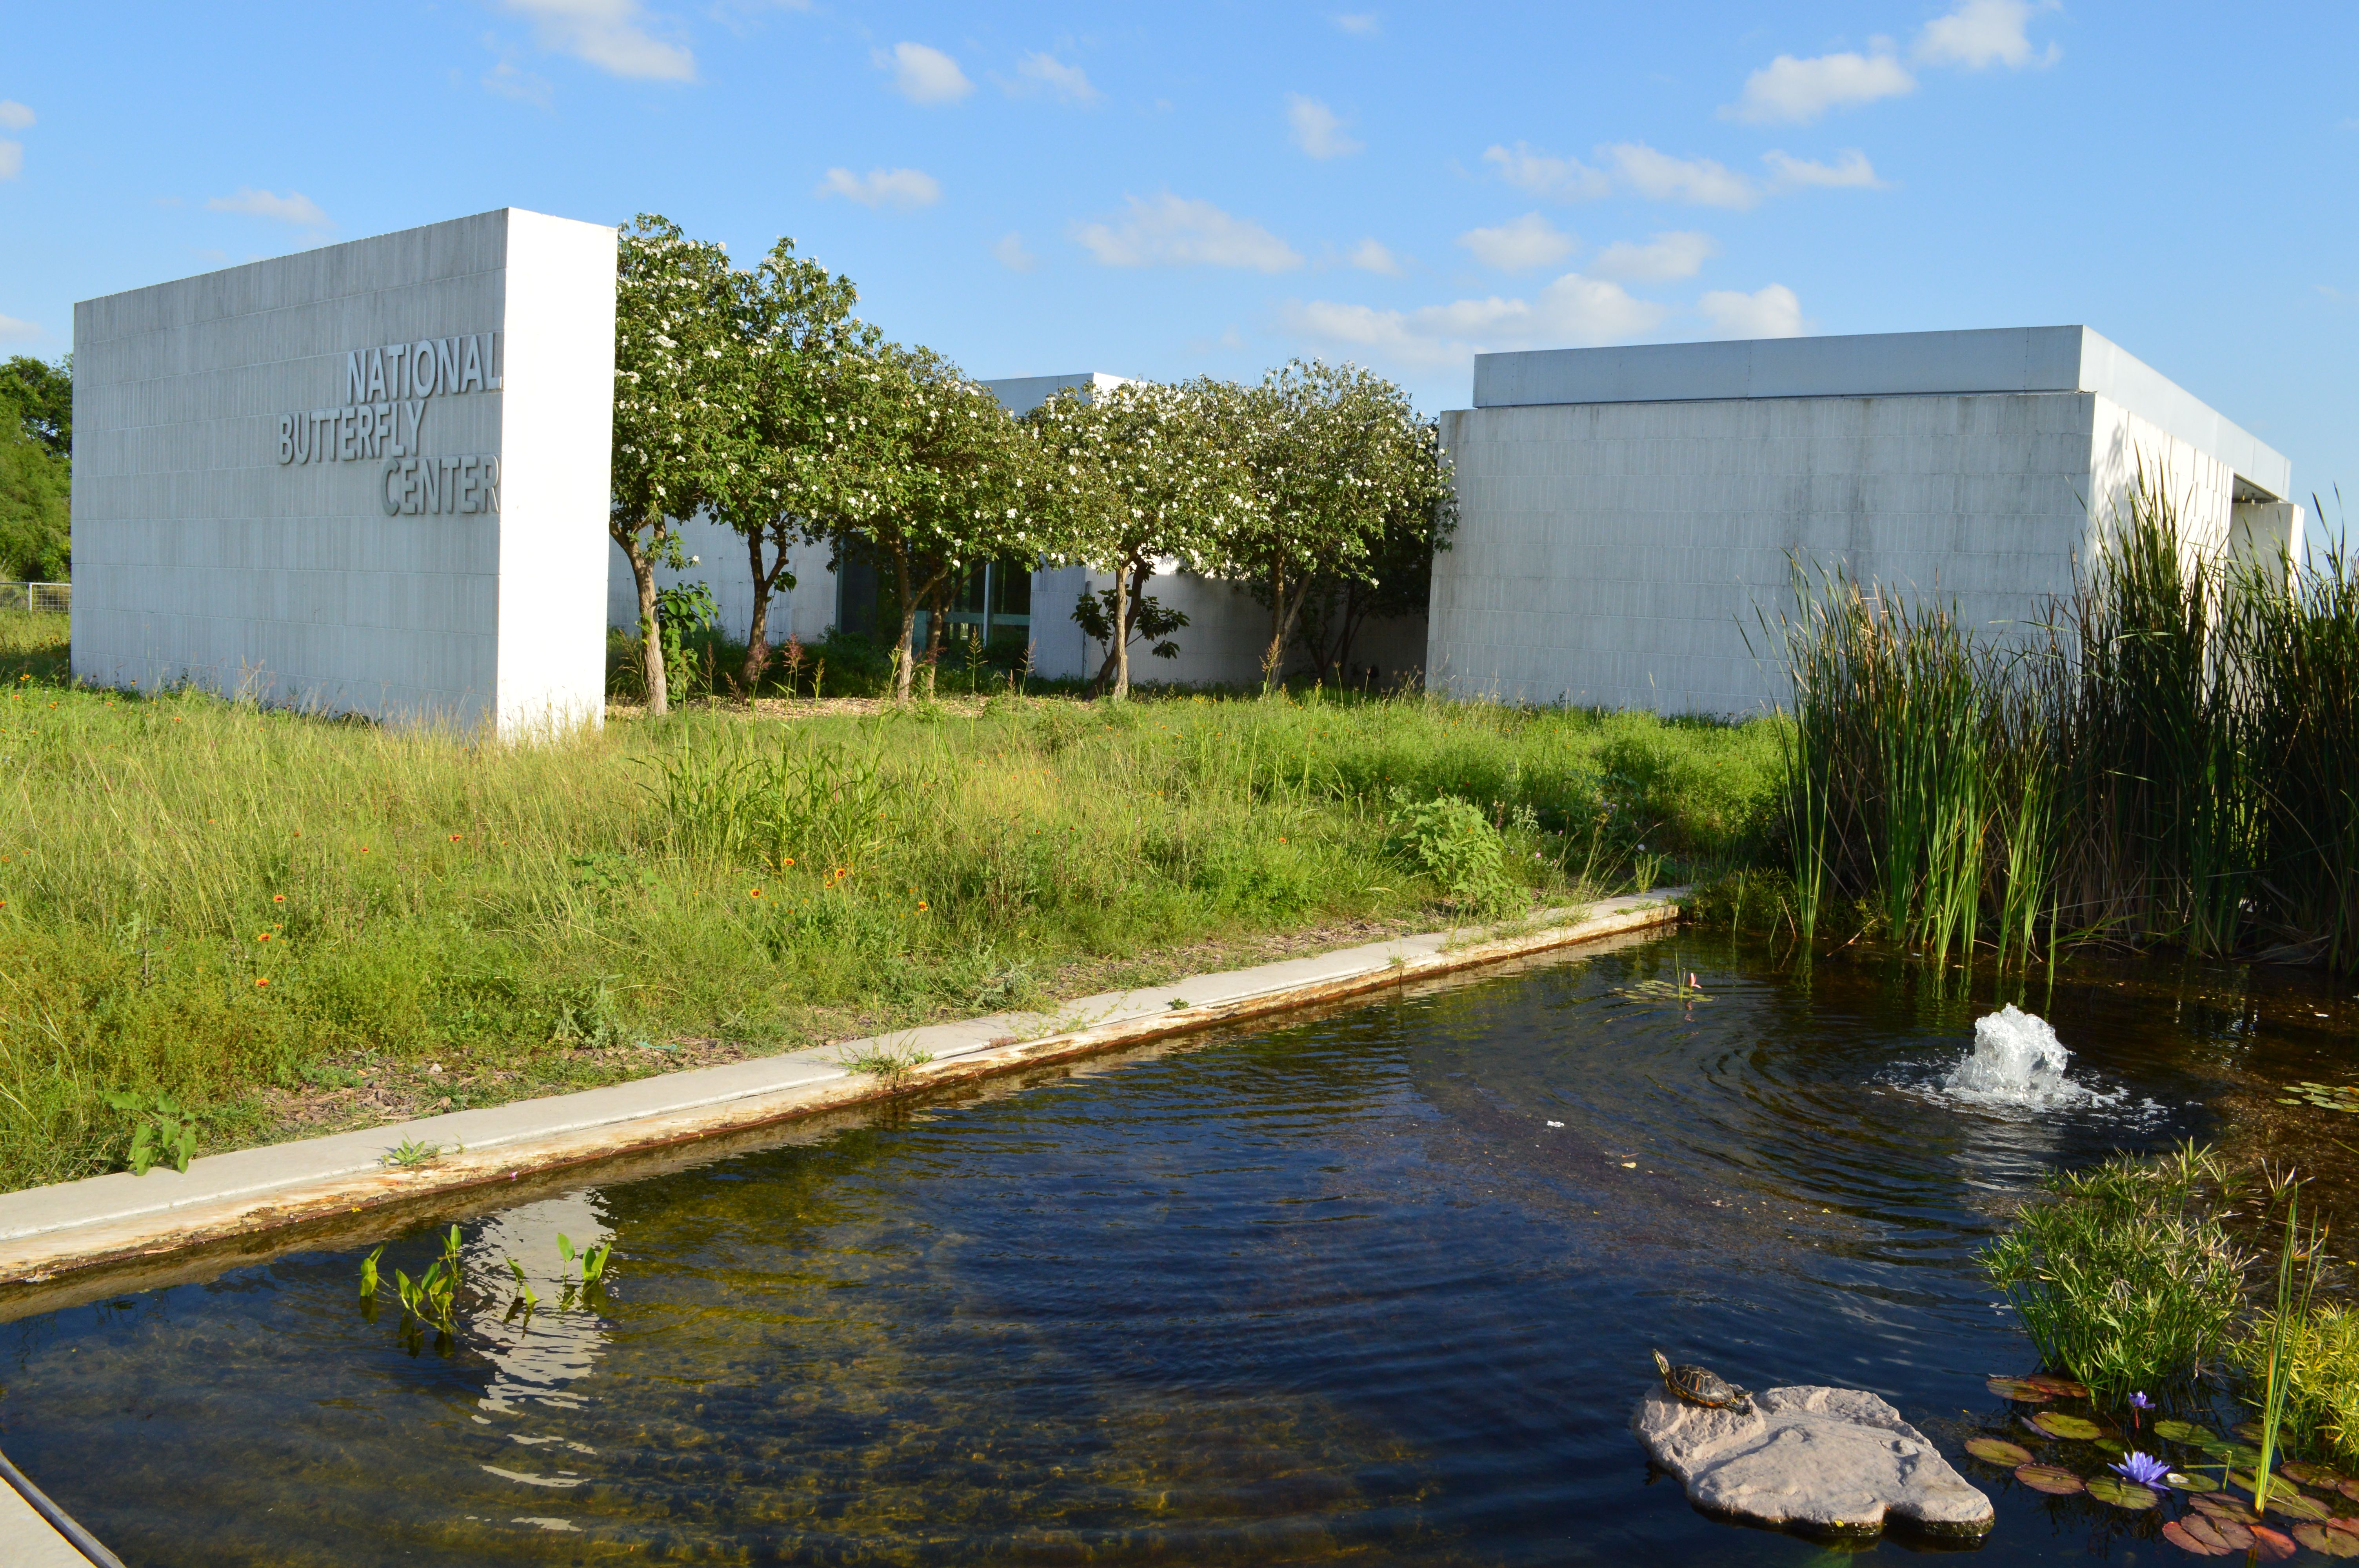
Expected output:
(1173, 190)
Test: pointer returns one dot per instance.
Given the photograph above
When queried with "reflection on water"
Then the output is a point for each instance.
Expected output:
(1379, 1285)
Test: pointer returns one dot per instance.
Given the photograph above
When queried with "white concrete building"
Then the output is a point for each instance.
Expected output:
(366, 478)
(1222, 644)
(1625, 514)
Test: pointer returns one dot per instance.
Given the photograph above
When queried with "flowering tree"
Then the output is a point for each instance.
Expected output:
(1395, 577)
(791, 324)
(925, 468)
(1133, 475)
(1331, 455)
(678, 385)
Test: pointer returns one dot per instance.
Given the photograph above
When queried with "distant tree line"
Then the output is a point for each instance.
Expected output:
(36, 469)
(756, 395)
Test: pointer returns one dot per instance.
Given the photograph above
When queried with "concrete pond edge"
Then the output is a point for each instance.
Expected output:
(47, 1234)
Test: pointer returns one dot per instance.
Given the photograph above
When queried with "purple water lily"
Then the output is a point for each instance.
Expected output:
(2144, 1469)
(2139, 1404)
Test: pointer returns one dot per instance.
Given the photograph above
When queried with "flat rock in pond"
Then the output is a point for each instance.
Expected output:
(1832, 1461)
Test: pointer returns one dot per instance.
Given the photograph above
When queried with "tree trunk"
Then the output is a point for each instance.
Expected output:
(1116, 657)
(902, 671)
(1122, 614)
(1282, 613)
(642, 575)
(758, 631)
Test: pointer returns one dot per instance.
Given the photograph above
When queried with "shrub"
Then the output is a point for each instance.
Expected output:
(2321, 1407)
(2123, 1274)
(1450, 841)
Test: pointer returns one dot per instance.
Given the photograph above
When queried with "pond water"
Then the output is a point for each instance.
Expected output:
(1379, 1284)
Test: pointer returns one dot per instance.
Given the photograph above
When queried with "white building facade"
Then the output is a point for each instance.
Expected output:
(1626, 516)
(366, 478)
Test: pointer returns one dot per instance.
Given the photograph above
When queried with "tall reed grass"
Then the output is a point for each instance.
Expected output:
(2172, 753)
(212, 902)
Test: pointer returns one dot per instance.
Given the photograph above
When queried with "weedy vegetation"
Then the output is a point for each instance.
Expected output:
(219, 904)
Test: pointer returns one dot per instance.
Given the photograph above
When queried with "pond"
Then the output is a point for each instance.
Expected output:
(1380, 1283)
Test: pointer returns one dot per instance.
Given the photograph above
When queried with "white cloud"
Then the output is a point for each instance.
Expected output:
(901, 188)
(293, 207)
(610, 35)
(1045, 73)
(1572, 311)
(1660, 259)
(1851, 169)
(1800, 91)
(14, 115)
(1317, 131)
(924, 75)
(1636, 168)
(1977, 35)
(1663, 178)
(1171, 231)
(1771, 312)
(1530, 241)
(12, 329)
(12, 159)
(1359, 24)
(1011, 253)
(1372, 255)
(523, 86)
(1543, 174)
(1982, 33)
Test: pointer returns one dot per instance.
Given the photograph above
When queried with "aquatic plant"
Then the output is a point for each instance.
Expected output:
(368, 1272)
(2144, 1469)
(2124, 1274)
(2165, 756)
(2297, 1278)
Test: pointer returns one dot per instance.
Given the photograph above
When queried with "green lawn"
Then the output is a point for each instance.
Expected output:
(290, 923)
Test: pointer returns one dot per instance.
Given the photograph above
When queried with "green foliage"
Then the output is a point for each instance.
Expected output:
(1450, 841)
(35, 497)
(466, 904)
(680, 391)
(160, 1131)
(409, 1153)
(889, 1062)
(2124, 1274)
(2317, 1353)
(2167, 758)
(36, 396)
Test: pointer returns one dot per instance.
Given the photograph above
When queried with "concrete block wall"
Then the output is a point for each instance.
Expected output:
(201, 557)
(1620, 554)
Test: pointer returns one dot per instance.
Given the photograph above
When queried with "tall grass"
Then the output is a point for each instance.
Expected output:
(2173, 756)
(212, 901)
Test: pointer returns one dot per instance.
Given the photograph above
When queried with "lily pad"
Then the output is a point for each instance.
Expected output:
(2224, 1509)
(2348, 1487)
(2022, 1391)
(2333, 1542)
(2122, 1493)
(2243, 1454)
(2062, 1388)
(2185, 1431)
(2071, 1428)
(2200, 1536)
(2310, 1475)
(2271, 1545)
(2200, 1483)
(2052, 1480)
(1999, 1451)
(2250, 1431)
(2292, 1504)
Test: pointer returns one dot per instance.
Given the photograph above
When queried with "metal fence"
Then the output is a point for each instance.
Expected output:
(41, 597)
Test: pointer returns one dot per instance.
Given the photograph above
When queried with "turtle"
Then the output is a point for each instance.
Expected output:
(1701, 1386)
